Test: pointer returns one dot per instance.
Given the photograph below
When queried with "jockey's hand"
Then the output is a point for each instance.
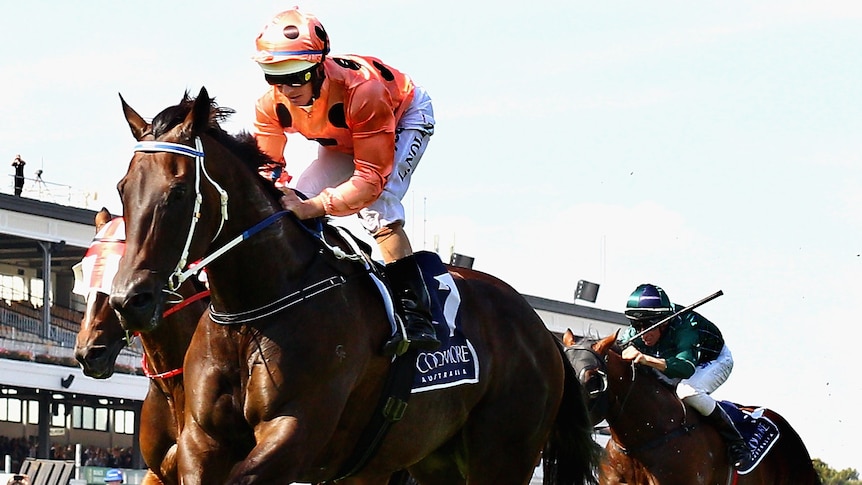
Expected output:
(633, 354)
(275, 173)
(303, 209)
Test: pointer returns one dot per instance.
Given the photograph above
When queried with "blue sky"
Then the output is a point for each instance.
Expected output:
(695, 145)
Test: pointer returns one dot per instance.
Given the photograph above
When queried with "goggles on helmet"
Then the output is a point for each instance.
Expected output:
(641, 318)
(640, 325)
(295, 79)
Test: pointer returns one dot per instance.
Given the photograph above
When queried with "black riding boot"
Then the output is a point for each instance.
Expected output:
(738, 450)
(414, 305)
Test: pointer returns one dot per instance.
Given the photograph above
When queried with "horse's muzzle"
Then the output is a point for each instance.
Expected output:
(97, 361)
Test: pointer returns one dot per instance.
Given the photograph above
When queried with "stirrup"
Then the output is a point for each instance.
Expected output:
(741, 459)
(428, 342)
(397, 345)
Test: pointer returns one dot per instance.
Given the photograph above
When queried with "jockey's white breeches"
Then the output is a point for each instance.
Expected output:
(332, 168)
(695, 391)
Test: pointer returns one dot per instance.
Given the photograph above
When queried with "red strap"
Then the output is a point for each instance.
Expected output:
(179, 306)
(162, 375)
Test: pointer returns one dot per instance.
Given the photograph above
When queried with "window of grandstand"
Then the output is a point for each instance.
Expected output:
(86, 417)
(58, 415)
(13, 409)
(12, 288)
(32, 412)
(102, 419)
(36, 289)
(10, 409)
(124, 421)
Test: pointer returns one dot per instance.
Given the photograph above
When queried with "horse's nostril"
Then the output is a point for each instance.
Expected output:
(141, 300)
(135, 302)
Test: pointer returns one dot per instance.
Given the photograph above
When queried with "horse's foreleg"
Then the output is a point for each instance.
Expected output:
(151, 478)
(168, 468)
(282, 452)
(201, 459)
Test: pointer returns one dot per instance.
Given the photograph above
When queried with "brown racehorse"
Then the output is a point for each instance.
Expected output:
(98, 343)
(281, 390)
(655, 439)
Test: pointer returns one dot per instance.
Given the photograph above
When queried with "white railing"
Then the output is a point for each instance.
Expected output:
(129, 356)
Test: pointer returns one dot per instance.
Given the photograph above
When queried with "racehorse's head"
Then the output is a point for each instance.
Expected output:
(168, 208)
(590, 367)
(101, 337)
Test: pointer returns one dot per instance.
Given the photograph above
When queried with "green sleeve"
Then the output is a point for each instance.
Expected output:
(681, 356)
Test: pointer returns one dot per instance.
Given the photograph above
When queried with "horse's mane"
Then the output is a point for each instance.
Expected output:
(243, 144)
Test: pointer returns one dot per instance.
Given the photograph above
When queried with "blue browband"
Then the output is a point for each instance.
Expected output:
(165, 146)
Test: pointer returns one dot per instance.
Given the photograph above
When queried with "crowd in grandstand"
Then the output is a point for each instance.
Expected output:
(20, 448)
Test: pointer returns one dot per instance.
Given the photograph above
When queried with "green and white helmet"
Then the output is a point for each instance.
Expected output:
(648, 303)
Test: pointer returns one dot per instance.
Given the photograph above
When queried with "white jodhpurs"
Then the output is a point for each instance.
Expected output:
(695, 391)
(333, 168)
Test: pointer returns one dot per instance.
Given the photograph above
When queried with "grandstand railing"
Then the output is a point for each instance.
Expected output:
(22, 333)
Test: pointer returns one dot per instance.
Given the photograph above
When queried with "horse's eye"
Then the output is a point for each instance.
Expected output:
(177, 193)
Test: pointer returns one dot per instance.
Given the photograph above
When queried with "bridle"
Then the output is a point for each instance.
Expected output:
(585, 360)
(180, 272)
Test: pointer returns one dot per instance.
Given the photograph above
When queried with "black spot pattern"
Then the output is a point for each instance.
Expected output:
(384, 71)
(347, 63)
(321, 34)
(336, 116)
(283, 114)
(291, 31)
(327, 142)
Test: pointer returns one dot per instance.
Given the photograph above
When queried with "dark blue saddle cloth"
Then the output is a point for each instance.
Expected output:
(454, 363)
(758, 431)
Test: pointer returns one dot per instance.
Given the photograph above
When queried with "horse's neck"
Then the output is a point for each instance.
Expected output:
(645, 399)
(265, 266)
(268, 264)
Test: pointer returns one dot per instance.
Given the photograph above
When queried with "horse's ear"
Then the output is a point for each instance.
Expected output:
(569, 338)
(606, 342)
(198, 118)
(136, 122)
(102, 217)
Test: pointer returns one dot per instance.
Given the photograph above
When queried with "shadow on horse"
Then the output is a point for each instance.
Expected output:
(285, 374)
(101, 338)
(656, 439)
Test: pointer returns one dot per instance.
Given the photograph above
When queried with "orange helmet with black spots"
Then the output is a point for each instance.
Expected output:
(293, 41)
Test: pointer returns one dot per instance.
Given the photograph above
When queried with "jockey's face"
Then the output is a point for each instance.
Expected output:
(652, 337)
(297, 95)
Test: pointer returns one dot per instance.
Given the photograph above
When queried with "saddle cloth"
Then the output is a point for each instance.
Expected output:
(758, 431)
(454, 363)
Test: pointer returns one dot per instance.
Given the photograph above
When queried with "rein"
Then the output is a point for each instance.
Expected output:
(277, 305)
